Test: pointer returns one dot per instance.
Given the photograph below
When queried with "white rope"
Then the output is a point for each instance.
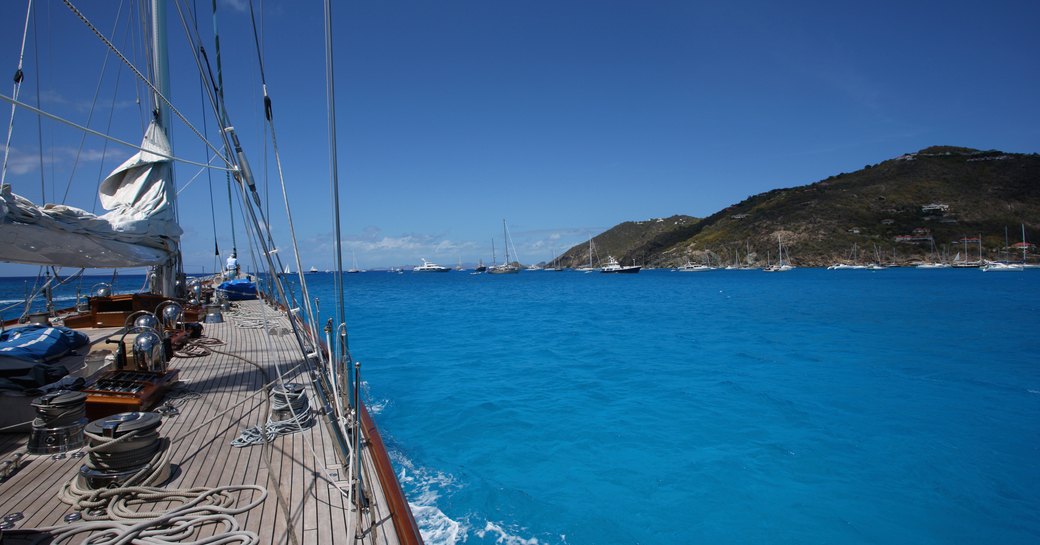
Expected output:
(285, 400)
(94, 503)
(199, 507)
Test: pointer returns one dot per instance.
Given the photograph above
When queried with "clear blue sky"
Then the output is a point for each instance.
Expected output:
(563, 117)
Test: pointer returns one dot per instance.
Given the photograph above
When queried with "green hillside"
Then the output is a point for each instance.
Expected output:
(896, 209)
(632, 241)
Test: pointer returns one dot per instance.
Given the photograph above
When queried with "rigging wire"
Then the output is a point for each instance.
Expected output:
(20, 104)
(269, 115)
(108, 129)
(195, 177)
(259, 224)
(334, 169)
(344, 358)
(218, 84)
(136, 72)
(263, 80)
(209, 174)
(136, 48)
(243, 176)
(93, 105)
(18, 77)
(39, 122)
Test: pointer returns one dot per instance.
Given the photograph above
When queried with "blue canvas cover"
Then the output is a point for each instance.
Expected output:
(40, 343)
(239, 289)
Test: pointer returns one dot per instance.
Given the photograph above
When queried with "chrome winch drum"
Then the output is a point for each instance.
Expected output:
(214, 315)
(110, 466)
(59, 422)
(149, 352)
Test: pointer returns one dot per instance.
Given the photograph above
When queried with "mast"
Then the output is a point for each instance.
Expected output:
(1023, 245)
(168, 273)
(590, 251)
(505, 235)
(160, 65)
(1007, 254)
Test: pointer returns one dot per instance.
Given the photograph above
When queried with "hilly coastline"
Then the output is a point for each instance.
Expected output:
(938, 201)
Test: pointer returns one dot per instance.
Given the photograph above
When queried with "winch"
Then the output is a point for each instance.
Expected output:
(115, 458)
(59, 422)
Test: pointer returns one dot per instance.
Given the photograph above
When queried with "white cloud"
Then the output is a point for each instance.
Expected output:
(20, 163)
(237, 5)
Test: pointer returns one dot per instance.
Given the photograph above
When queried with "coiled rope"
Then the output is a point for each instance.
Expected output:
(95, 504)
(199, 507)
(287, 399)
(114, 515)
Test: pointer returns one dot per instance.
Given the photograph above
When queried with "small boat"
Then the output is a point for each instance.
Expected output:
(430, 267)
(613, 266)
(481, 267)
(312, 270)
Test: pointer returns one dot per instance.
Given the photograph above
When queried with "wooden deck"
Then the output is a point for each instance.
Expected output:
(220, 394)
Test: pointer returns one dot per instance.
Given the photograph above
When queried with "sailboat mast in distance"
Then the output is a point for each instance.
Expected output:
(505, 236)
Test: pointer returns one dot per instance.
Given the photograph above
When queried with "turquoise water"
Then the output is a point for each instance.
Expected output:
(898, 406)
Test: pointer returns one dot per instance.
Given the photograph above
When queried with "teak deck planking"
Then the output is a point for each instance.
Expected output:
(203, 456)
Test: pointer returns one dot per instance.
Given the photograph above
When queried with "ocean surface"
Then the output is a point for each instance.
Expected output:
(727, 407)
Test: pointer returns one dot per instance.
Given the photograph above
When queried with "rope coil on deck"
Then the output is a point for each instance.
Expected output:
(289, 401)
(154, 470)
(113, 514)
(200, 507)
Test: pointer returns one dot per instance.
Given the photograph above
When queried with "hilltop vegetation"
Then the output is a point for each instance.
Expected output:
(632, 241)
(897, 208)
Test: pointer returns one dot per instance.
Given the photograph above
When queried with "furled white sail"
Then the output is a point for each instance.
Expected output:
(139, 229)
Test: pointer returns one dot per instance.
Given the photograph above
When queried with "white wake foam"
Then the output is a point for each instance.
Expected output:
(504, 537)
(424, 487)
(377, 407)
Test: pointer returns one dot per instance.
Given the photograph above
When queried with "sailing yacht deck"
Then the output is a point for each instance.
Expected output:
(221, 394)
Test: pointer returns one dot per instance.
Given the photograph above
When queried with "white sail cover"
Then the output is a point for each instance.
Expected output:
(140, 228)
